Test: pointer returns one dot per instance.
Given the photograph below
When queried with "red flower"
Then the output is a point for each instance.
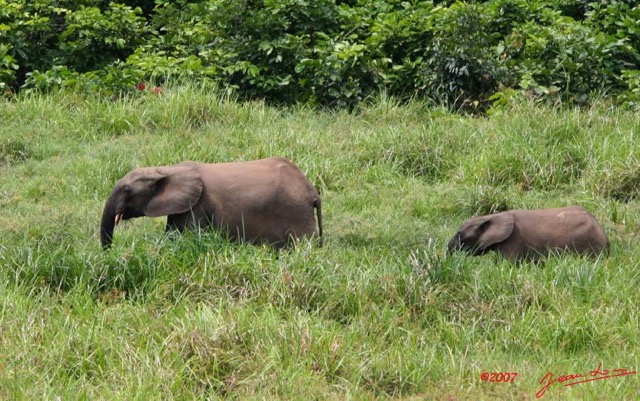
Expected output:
(141, 86)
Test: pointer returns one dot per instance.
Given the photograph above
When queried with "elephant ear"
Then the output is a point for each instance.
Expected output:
(177, 191)
(495, 229)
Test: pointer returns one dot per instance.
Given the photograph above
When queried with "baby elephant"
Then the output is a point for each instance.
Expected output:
(530, 234)
(268, 200)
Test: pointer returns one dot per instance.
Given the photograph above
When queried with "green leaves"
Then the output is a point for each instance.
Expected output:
(93, 38)
(329, 53)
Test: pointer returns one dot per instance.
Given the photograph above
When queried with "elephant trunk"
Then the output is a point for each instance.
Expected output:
(108, 223)
(454, 244)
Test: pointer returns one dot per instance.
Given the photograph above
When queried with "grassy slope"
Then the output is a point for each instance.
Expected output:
(379, 311)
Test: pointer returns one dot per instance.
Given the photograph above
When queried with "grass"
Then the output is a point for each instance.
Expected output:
(380, 311)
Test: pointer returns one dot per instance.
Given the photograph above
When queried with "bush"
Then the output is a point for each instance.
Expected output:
(80, 36)
(93, 38)
(8, 67)
(327, 52)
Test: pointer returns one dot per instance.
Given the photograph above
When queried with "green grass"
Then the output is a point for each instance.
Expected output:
(380, 311)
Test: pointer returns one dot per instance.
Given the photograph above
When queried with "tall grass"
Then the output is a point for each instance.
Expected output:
(380, 311)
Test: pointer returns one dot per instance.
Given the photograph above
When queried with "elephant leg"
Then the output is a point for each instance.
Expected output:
(189, 220)
(176, 222)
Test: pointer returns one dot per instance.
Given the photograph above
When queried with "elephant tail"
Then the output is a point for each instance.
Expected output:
(317, 204)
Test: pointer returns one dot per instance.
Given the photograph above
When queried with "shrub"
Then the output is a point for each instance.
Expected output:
(8, 67)
(93, 39)
(324, 52)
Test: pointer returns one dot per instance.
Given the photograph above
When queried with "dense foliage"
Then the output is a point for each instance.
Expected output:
(329, 52)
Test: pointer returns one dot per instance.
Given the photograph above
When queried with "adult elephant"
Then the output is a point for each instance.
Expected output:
(261, 201)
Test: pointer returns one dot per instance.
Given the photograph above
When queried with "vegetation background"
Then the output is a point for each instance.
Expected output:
(467, 55)
(365, 96)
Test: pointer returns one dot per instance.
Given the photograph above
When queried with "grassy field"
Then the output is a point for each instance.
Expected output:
(380, 311)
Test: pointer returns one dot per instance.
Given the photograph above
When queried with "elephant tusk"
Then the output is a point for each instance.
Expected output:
(118, 218)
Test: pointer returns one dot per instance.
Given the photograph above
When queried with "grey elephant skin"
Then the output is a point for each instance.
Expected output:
(261, 201)
(531, 234)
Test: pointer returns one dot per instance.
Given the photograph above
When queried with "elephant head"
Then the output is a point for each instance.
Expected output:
(477, 235)
(150, 191)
